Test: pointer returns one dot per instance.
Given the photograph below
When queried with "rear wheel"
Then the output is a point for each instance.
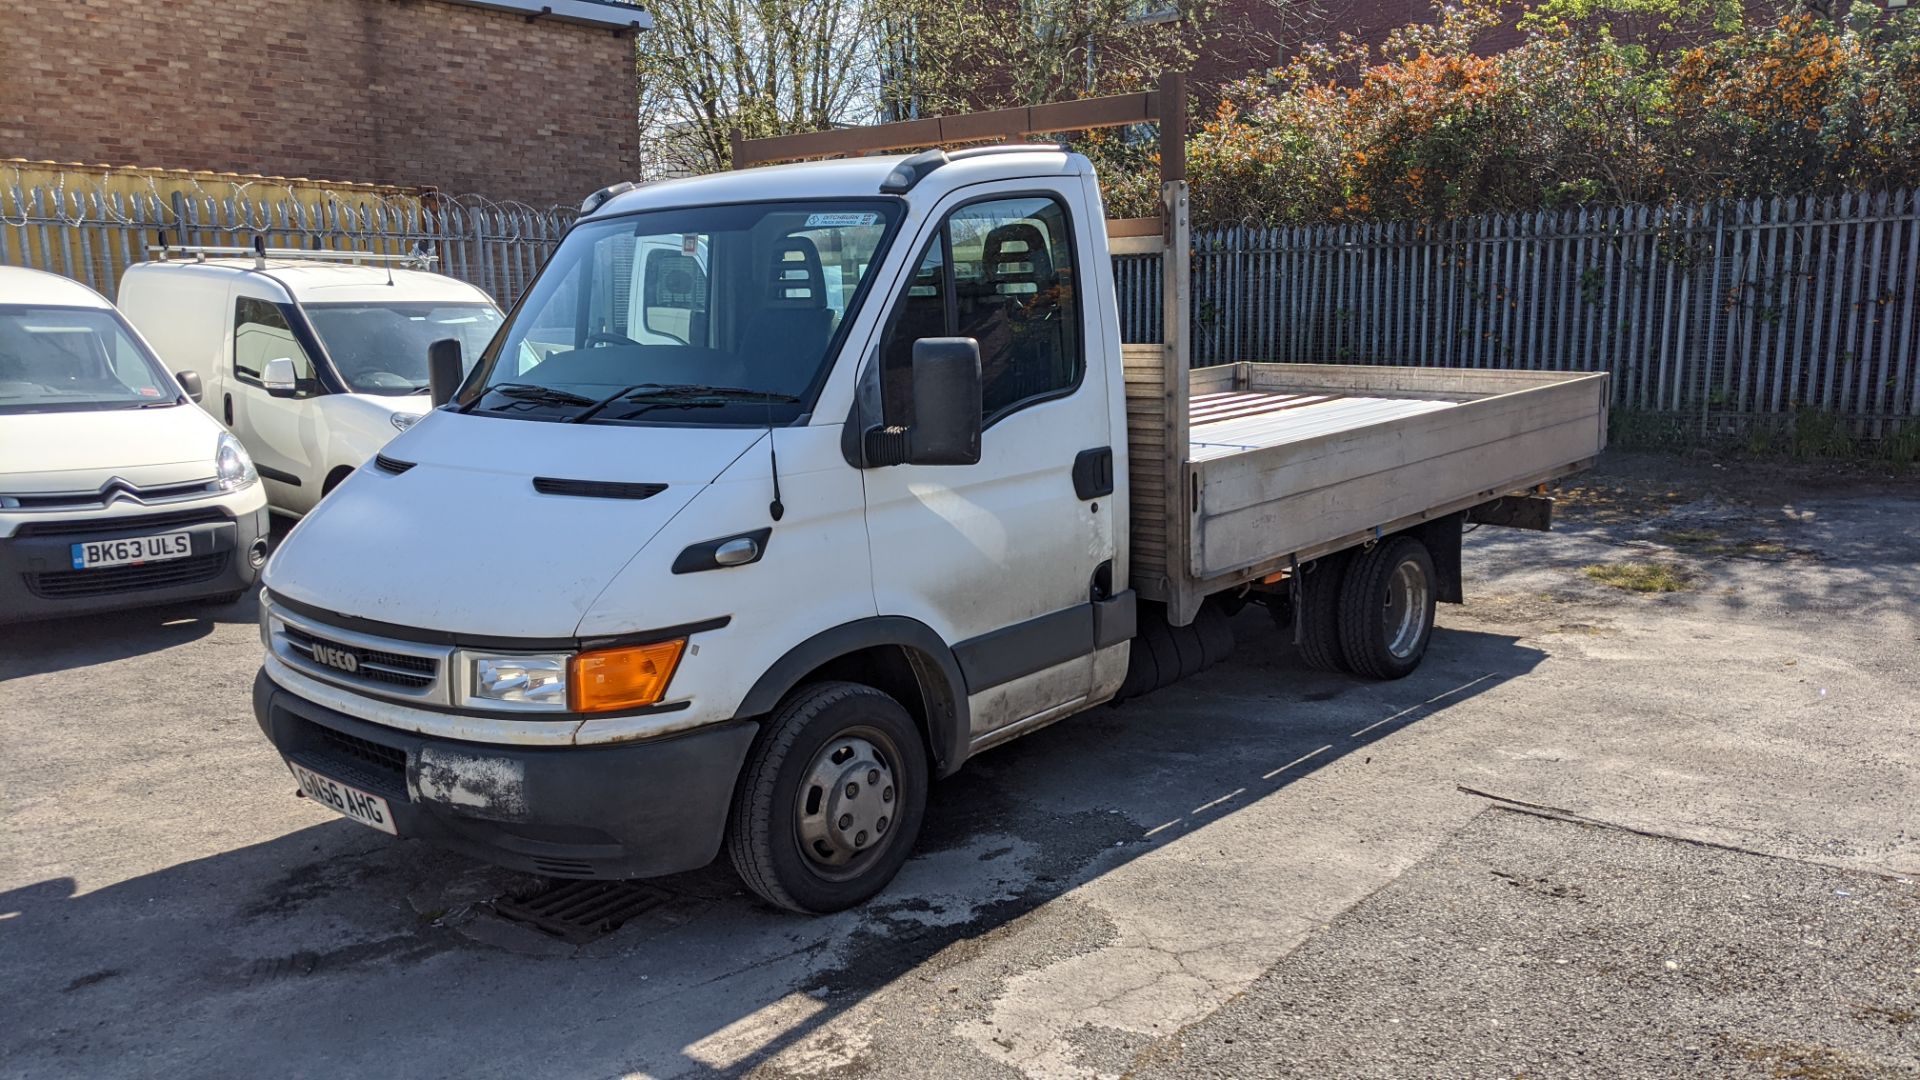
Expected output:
(1317, 614)
(831, 799)
(1386, 609)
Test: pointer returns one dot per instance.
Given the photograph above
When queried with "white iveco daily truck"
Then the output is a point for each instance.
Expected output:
(784, 491)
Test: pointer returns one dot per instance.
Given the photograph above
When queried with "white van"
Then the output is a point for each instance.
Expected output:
(114, 491)
(314, 360)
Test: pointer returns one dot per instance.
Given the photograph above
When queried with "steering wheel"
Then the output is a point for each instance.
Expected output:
(608, 337)
(384, 380)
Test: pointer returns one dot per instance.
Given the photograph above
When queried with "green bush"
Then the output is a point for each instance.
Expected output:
(1429, 128)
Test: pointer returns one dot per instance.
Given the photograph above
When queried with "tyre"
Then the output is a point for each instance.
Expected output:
(1216, 633)
(1188, 648)
(830, 800)
(1318, 612)
(1386, 609)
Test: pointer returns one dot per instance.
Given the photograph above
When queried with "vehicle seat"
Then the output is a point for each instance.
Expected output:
(1023, 346)
(793, 319)
(1018, 265)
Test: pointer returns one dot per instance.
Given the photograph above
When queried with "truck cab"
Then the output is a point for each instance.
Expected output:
(868, 484)
(313, 360)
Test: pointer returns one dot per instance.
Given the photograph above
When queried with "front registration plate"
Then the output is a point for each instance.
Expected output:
(363, 807)
(137, 549)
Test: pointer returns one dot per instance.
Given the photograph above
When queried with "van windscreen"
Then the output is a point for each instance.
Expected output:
(700, 315)
(69, 359)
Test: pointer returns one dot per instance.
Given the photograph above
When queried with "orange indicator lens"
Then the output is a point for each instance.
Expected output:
(624, 678)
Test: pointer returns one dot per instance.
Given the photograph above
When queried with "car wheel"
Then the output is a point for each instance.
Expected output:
(1386, 609)
(831, 799)
(1318, 612)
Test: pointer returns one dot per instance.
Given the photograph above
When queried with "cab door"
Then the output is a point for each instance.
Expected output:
(1005, 557)
(277, 431)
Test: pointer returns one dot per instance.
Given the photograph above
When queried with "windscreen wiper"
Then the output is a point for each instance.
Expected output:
(695, 396)
(528, 392)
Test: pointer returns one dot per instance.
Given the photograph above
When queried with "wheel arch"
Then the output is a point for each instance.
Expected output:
(334, 479)
(901, 656)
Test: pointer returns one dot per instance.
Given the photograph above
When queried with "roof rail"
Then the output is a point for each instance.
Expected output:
(260, 253)
(1166, 106)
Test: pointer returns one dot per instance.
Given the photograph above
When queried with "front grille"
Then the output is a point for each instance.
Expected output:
(370, 665)
(385, 758)
(353, 772)
(95, 500)
(65, 584)
(137, 523)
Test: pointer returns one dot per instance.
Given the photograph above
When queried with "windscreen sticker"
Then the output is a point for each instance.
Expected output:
(689, 243)
(840, 221)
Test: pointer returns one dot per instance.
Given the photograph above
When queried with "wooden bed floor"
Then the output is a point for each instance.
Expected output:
(1231, 422)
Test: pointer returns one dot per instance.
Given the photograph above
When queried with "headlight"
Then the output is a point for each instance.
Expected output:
(232, 468)
(401, 421)
(600, 680)
(515, 682)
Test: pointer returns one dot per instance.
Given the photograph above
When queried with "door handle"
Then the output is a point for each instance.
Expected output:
(1093, 473)
(228, 406)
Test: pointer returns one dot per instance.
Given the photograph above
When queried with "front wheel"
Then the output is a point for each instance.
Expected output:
(1386, 609)
(831, 799)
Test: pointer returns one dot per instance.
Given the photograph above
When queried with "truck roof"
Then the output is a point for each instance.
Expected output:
(841, 178)
(19, 285)
(314, 282)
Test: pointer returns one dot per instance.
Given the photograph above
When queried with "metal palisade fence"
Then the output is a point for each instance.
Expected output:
(1721, 314)
(1718, 314)
(92, 234)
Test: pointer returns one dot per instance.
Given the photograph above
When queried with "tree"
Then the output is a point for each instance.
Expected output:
(765, 67)
(945, 56)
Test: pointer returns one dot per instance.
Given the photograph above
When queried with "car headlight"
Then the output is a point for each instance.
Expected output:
(515, 682)
(598, 680)
(401, 421)
(232, 468)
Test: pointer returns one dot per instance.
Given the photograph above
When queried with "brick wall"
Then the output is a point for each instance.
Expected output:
(407, 92)
(1369, 21)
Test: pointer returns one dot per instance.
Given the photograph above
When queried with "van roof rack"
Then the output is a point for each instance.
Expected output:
(261, 253)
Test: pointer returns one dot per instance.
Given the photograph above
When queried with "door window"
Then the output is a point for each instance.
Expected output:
(261, 333)
(1000, 272)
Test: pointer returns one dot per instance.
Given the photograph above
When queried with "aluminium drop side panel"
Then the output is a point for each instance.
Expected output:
(1501, 432)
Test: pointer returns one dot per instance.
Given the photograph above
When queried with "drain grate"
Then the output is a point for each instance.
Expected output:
(580, 911)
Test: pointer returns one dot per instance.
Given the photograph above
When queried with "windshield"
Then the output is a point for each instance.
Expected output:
(55, 359)
(703, 315)
(382, 348)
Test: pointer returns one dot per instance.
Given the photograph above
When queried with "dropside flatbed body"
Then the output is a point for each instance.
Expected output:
(1243, 470)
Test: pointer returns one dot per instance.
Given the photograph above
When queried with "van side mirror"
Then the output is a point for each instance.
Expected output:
(946, 409)
(189, 384)
(279, 378)
(946, 402)
(444, 372)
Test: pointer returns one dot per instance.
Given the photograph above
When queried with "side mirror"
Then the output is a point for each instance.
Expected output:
(946, 402)
(279, 378)
(190, 384)
(444, 372)
(946, 409)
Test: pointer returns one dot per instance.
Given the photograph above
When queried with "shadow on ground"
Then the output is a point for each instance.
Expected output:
(257, 959)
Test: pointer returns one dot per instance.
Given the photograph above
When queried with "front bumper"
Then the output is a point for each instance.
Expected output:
(37, 579)
(625, 810)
